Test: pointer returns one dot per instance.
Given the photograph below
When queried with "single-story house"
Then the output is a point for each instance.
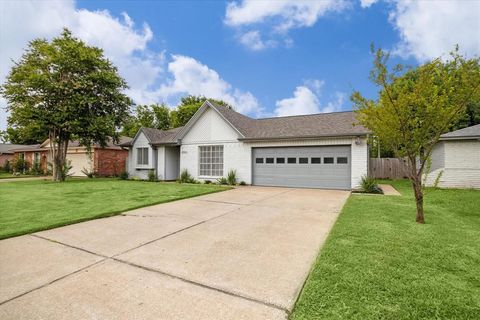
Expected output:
(317, 151)
(103, 161)
(456, 159)
(7, 154)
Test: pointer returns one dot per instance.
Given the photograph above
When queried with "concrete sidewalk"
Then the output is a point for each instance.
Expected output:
(238, 254)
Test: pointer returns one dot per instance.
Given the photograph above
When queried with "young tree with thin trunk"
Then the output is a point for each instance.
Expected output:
(416, 106)
(68, 89)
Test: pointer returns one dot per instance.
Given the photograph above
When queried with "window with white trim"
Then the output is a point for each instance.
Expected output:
(142, 156)
(211, 161)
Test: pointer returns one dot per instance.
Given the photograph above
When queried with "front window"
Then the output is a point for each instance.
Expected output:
(36, 158)
(211, 161)
(142, 156)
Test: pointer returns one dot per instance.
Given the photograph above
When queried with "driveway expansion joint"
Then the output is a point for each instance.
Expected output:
(267, 304)
(53, 281)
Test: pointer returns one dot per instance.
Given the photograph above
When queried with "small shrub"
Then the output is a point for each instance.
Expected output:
(36, 169)
(369, 185)
(222, 180)
(152, 177)
(7, 166)
(232, 177)
(123, 175)
(89, 173)
(20, 165)
(207, 181)
(67, 167)
(185, 177)
(243, 183)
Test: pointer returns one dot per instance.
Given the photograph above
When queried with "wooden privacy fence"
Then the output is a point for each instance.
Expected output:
(387, 168)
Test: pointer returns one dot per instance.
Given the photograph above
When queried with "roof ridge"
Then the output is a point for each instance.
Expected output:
(306, 115)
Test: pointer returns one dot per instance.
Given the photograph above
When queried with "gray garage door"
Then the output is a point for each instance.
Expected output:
(310, 167)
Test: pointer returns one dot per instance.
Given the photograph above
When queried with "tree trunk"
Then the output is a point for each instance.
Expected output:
(58, 147)
(417, 188)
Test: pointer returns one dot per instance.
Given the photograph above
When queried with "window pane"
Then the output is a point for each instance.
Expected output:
(211, 161)
(280, 160)
(315, 160)
(145, 155)
(139, 156)
(292, 160)
(328, 160)
(269, 160)
(302, 160)
(259, 160)
(342, 160)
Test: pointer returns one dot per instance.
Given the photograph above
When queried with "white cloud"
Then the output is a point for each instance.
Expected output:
(314, 84)
(306, 101)
(124, 43)
(429, 29)
(337, 104)
(253, 40)
(283, 15)
(189, 76)
(367, 3)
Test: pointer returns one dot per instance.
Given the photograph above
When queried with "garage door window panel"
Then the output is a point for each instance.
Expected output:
(291, 160)
(280, 160)
(211, 161)
(259, 160)
(328, 160)
(303, 160)
(316, 160)
(269, 160)
(342, 160)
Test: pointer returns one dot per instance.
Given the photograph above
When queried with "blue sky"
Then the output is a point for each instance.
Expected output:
(267, 59)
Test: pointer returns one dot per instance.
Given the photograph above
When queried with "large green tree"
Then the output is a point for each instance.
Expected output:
(416, 106)
(153, 116)
(188, 106)
(68, 89)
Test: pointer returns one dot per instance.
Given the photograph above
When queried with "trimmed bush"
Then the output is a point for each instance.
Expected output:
(123, 175)
(185, 177)
(152, 177)
(369, 185)
(222, 180)
(232, 177)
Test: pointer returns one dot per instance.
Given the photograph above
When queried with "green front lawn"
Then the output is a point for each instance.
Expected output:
(379, 264)
(29, 206)
(8, 175)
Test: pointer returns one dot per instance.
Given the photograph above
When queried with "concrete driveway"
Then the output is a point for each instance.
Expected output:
(238, 254)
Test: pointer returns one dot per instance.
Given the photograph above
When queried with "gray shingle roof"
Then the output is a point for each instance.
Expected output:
(8, 148)
(157, 136)
(303, 126)
(469, 132)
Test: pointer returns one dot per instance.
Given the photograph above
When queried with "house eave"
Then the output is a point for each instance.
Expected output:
(460, 138)
(327, 136)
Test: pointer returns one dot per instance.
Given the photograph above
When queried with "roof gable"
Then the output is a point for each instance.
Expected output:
(465, 133)
(220, 110)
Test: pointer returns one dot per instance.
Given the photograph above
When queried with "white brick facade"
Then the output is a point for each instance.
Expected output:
(140, 171)
(211, 129)
(459, 163)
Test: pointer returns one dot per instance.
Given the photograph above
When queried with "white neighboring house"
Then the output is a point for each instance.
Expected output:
(315, 151)
(456, 159)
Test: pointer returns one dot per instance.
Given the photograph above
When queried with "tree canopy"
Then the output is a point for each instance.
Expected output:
(415, 106)
(161, 117)
(68, 89)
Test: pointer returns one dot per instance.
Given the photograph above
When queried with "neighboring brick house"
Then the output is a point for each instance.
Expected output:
(107, 161)
(7, 154)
